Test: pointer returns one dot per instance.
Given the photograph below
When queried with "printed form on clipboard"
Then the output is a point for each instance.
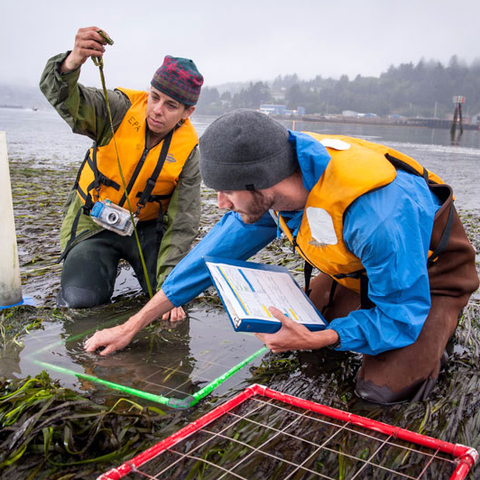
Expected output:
(247, 289)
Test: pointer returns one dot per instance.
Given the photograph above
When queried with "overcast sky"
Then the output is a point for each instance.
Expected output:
(239, 41)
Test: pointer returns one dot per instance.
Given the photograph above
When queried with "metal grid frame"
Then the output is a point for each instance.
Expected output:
(175, 456)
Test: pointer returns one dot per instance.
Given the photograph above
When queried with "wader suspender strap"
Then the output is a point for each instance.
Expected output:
(86, 197)
(84, 208)
(400, 165)
(96, 182)
(330, 298)
(73, 231)
(365, 302)
(77, 179)
(146, 194)
(307, 274)
(443, 240)
(99, 179)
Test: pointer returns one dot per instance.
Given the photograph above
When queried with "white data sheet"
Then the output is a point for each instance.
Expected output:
(247, 292)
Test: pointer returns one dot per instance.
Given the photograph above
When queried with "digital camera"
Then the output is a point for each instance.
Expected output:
(112, 217)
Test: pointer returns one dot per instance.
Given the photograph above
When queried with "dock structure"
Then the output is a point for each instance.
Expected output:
(457, 118)
(424, 122)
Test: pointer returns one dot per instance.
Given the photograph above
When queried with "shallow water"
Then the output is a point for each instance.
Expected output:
(174, 361)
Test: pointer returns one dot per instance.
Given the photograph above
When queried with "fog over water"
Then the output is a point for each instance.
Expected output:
(240, 41)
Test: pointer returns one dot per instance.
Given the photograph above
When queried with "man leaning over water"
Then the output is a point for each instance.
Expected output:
(156, 145)
(396, 267)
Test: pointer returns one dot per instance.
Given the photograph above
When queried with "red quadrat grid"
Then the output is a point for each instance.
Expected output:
(262, 433)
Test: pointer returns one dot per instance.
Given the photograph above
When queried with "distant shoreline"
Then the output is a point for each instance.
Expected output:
(411, 122)
(339, 120)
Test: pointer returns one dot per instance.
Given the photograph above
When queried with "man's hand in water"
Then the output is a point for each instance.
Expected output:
(175, 314)
(110, 339)
(116, 338)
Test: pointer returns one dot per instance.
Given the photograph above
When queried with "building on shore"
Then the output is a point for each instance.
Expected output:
(274, 109)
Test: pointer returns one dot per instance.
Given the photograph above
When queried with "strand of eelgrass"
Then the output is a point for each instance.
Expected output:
(99, 64)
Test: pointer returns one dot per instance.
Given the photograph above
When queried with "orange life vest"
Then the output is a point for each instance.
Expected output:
(99, 177)
(356, 168)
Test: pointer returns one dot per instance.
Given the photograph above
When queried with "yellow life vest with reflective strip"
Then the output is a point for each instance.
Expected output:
(356, 168)
(99, 176)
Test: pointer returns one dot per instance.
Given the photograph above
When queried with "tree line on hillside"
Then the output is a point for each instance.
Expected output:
(422, 90)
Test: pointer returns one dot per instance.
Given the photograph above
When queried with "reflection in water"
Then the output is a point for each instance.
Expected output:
(10, 360)
(147, 364)
(172, 361)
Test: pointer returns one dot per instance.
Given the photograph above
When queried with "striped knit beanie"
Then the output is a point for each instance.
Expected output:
(180, 79)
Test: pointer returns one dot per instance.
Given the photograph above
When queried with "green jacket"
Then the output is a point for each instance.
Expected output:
(85, 111)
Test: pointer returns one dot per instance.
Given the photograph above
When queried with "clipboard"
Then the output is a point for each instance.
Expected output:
(247, 289)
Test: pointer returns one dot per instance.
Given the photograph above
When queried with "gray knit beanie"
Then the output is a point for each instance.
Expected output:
(245, 150)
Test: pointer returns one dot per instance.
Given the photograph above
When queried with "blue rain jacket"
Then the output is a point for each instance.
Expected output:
(388, 229)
